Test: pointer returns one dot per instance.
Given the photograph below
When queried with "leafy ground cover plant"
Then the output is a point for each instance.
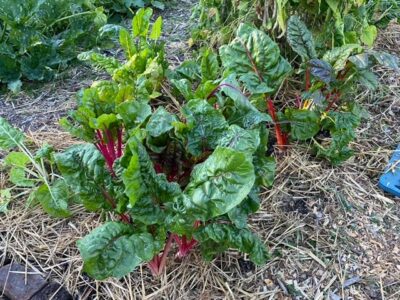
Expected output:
(38, 38)
(31, 173)
(327, 105)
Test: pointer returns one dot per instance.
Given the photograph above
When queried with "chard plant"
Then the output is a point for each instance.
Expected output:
(189, 177)
(331, 80)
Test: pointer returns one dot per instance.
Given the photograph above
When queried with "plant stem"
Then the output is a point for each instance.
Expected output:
(157, 264)
(110, 144)
(119, 145)
(308, 79)
(124, 218)
(280, 137)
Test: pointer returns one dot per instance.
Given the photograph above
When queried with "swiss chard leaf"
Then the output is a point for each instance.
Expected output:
(114, 250)
(216, 238)
(301, 39)
(220, 183)
(205, 126)
(256, 59)
(304, 123)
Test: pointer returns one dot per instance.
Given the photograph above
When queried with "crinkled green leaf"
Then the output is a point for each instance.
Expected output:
(368, 35)
(160, 122)
(265, 167)
(239, 214)
(184, 87)
(54, 200)
(133, 113)
(209, 65)
(114, 250)
(100, 61)
(127, 43)
(19, 178)
(17, 159)
(240, 139)
(220, 183)
(141, 180)
(368, 79)
(83, 169)
(216, 238)
(251, 49)
(300, 38)
(245, 113)
(206, 126)
(190, 70)
(304, 124)
(338, 56)
(322, 70)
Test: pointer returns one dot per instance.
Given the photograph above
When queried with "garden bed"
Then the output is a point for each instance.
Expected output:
(329, 230)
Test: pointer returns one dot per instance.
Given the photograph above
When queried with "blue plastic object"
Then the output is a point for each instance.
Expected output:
(390, 180)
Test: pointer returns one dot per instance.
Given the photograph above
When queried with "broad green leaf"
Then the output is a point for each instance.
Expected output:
(156, 29)
(265, 167)
(245, 114)
(55, 199)
(184, 87)
(239, 214)
(104, 121)
(322, 70)
(114, 250)
(127, 43)
(368, 79)
(141, 22)
(9, 68)
(83, 169)
(209, 65)
(386, 59)
(253, 49)
(338, 56)
(17, 159)
(216, 238)
(368, 35)
(190, 70)
(361, 61)
(18, 177)
(206, 126)
(133, 113)
(10, 137)
(220, 183)
(15, 86)
(100, 61)
(237, 138)
(160, 122)
(304, 124)
(300, 39)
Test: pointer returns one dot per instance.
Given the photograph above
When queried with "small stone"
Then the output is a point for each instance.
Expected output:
(52, 291)
(19, 283)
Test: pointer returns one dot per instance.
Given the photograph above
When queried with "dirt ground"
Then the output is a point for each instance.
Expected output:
(331, 232)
